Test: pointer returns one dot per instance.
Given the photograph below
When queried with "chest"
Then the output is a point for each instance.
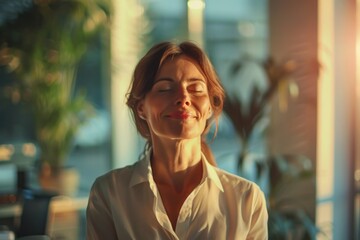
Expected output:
(173, 201)
(201, 214)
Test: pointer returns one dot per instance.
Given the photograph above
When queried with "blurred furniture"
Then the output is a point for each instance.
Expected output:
(56, 216)
(6, 233)
(63, 221)
(18, 156)
(35, 237)
(35, 212)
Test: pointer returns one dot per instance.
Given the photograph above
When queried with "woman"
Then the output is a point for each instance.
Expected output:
(175, 191)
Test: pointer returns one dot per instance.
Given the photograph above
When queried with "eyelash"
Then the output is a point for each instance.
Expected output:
(164, 89)
(195, 89)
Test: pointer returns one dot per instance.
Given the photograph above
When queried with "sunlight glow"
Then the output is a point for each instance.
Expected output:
(6, 151)
(325, 120)
(357, 116)
(196, 4)
(195, 20)
(125, 47)
(357, 83)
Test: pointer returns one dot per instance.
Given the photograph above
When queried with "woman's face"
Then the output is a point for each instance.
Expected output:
(178, 104)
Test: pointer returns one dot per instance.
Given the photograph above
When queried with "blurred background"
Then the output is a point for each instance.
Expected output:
(291, 120)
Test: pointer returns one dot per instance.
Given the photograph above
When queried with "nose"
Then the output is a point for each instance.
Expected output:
(183, 98)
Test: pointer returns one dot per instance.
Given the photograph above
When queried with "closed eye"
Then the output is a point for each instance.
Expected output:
(197, 87)
(163, 86)
(164, 89)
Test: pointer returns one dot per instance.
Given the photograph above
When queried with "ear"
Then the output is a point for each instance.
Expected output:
(140, 110)
(210, 113)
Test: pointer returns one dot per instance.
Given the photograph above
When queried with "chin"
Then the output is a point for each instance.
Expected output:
(184, 135)
(178, 132)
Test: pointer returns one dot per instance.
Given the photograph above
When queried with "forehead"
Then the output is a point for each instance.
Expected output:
(179, 67)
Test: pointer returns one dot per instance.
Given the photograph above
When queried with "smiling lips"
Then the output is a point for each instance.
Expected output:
(180, 115)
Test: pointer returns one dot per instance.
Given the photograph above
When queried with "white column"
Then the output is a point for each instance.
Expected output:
(325, 117)
(125, 47)
(195, 15)
(357, 124)
(336, 121)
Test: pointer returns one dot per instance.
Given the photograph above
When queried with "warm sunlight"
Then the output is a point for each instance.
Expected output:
(357, 115)
(325, 121)
(195, 20)
(357, 105)
(125, 45)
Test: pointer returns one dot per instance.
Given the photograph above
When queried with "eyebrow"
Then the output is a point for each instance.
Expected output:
(195, 79)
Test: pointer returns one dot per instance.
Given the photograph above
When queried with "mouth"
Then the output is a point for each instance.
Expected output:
(180, 115)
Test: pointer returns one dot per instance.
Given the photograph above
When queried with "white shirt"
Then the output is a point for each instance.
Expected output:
(125, 204)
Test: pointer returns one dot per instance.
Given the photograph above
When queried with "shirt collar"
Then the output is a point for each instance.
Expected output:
(209, 172)
(143, 172)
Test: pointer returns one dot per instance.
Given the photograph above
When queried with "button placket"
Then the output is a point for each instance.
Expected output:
(185, 216)
(160, 212)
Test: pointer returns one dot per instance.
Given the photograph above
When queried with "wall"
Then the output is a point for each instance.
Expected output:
(293, 36)
(321, 125)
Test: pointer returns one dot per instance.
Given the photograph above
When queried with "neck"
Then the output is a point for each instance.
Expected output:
(177, 163)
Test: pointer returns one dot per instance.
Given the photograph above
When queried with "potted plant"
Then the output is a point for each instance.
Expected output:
(287, 220)
(42, 48)
(245, 117)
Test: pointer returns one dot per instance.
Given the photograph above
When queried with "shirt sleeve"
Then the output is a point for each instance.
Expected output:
(259, 218)
(99, 221)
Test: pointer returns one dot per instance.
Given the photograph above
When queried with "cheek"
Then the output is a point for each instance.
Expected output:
(153, 107)
(204, 106)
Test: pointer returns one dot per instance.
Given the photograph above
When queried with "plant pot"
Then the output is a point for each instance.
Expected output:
(65, 181)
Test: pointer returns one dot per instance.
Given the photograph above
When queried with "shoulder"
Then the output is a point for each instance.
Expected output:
(237, 183)
(115, 177)
(245, 192)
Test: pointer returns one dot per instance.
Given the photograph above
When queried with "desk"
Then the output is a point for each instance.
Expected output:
(64, 217)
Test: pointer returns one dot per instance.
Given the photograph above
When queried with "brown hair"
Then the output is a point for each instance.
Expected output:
(144, 77)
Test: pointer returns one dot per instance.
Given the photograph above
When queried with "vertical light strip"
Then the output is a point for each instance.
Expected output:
(196, 21)
(357, 84)
(124, 55)
(325, 119)
(357, 122)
